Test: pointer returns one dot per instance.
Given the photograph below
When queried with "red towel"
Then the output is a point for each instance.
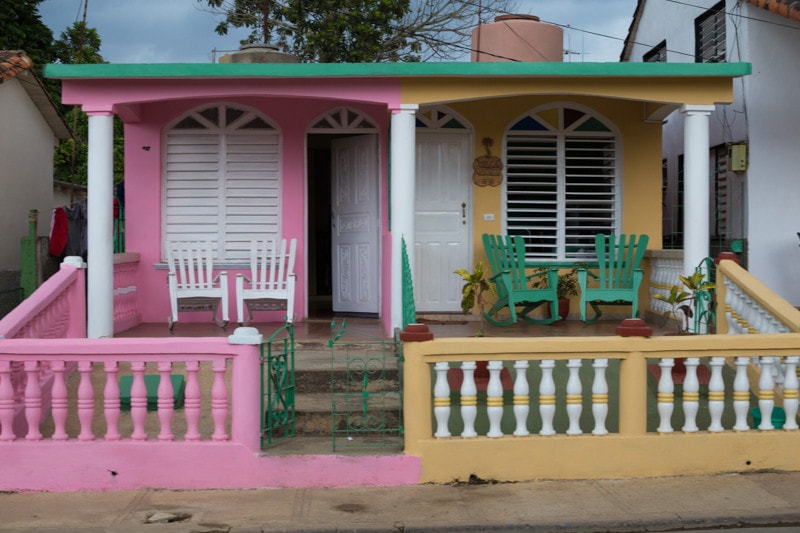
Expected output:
(58, 232)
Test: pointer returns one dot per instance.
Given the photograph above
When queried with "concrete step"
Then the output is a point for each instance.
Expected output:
(327, 381)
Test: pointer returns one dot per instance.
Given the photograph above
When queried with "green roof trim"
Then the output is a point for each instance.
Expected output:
(355, 70)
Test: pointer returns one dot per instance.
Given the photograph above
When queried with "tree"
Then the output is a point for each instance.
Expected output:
(80, 44)
(21, 28)
(360, 30)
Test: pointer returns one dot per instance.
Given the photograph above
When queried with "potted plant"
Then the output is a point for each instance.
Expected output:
(683, 299)
(472, 293)
(567, 287)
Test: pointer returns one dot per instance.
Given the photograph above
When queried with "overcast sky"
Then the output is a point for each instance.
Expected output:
(178, 31)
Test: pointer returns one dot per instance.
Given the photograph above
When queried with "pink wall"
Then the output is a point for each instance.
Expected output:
(143, 191)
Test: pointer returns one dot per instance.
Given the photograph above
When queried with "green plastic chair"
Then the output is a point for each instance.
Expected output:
(618, 277)
(506, 256)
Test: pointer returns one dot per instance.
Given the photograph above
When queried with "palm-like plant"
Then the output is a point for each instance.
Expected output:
(683, 298)
(472, 293)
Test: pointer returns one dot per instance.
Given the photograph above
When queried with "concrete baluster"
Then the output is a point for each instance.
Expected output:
(691, 395)
(33, 400)
(547, 397)
(219, 401)
(469, 399)
(85, 401)
(58, 403)
(441, 400)
(494, 399)
(111, 401)
(766, 394)
(138, 401)
(521, 398)
(600, 397)
(790, 392)
(666, 395)
(191, 401)
(574, 397)
(716, 394)
(6, 403)
(166, 402)
(741, 394)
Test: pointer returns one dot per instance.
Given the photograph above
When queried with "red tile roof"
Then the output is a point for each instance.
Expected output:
(12, 62)
(785, 8)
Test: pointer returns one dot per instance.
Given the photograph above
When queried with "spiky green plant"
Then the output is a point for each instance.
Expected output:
(475, 285)
(683, 300)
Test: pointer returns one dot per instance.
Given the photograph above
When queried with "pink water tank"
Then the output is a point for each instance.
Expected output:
(517, 38)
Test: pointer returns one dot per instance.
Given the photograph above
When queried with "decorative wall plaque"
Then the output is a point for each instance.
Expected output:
(488, 169)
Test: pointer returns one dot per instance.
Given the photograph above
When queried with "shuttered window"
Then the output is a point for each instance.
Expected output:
(222, 178)
(709, 35)
(562, 183)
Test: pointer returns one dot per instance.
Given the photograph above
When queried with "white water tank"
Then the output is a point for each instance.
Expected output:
(517, 38)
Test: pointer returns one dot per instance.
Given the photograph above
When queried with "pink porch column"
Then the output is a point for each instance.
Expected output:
(246, 389)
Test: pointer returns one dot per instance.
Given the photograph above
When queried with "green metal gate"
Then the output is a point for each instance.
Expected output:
(366, 390)
(278, 386)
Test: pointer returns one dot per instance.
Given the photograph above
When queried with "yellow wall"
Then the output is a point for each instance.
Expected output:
(640, 153)
(632, 452)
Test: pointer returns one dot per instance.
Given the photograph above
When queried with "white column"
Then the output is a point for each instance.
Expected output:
(696, 212)
(403, 177)
(100, 239)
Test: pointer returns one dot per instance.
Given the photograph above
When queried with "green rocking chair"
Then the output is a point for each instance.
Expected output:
(618, 277)
(507, 259)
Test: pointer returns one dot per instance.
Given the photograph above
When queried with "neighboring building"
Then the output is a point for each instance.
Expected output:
(753, 189)
(351, 159)
(30, 127)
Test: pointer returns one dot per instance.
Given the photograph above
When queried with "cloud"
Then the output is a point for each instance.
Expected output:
(180, 31)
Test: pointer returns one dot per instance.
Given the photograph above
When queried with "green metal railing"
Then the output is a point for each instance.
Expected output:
(409, 308)
(366, 390)
(278, 386)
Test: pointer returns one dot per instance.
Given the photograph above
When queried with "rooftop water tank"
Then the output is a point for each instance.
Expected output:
(517, 38)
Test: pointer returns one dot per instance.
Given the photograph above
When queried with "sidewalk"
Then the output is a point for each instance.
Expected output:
(659, 504)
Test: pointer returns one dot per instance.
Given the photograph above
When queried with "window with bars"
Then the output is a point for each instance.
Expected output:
(562, 182)
(709, 35)
(658, 54)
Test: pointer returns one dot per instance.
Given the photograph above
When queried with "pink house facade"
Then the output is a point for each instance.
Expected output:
(339, 157)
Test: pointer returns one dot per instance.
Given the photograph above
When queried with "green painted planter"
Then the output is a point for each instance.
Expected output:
(778, 417)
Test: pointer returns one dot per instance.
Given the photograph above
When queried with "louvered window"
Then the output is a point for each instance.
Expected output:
(562, 183)
(709, 38)
(222, 178)
(658, 54)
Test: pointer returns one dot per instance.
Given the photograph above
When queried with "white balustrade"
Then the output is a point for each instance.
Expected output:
(494, 399)
(469, 399)
(691, 395)
(741, 394)
(666, 396)
(766, 394)
(600, 397)
(547, 397)
(441, 400)
(574, 397)
(790, 392)
(716, 394)
(521, 398)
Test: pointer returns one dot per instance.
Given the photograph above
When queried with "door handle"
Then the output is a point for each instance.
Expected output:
(463, 213)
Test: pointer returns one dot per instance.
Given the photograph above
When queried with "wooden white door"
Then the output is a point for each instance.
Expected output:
(355, 232)
(444, 180)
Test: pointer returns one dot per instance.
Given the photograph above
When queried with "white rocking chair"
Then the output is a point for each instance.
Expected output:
(192, 285)
(271, 283)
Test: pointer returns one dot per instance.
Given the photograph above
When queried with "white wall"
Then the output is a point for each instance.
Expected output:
(766, 198)
(26, 170)
(772, 46)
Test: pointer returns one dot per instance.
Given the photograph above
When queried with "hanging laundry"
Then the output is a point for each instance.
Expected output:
(77, 239)
(58, 232)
